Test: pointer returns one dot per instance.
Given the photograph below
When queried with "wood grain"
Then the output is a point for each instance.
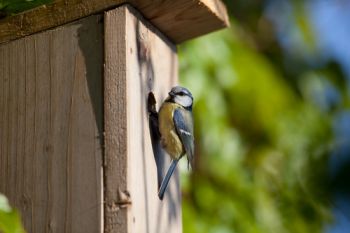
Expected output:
(138, 59)
(115, 115)
(51, 127)
(180, 20)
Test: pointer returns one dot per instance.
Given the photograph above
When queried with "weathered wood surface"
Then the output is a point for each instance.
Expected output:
(180, 20)
(138, 59)
(51, 127)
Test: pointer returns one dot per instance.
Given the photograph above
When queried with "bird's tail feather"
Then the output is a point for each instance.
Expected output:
(166, 179)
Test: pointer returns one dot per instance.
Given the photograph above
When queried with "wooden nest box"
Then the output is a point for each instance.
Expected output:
(75, 150)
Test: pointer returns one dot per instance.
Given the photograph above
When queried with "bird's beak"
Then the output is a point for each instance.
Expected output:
(172, 94)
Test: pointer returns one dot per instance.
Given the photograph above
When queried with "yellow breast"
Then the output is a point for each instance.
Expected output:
(170, 141)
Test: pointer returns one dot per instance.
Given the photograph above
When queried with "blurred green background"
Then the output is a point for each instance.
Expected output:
(272, 120)
(10, 221)
(10, 7)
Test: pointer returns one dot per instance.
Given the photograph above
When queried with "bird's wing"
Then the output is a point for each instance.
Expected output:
(183, 122)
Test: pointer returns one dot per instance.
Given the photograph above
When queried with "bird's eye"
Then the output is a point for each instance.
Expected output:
(181, 93)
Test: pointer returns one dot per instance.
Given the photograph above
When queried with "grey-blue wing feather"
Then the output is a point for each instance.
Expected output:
(183, 122)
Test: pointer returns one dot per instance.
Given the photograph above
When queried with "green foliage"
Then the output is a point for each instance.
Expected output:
(8, 7)
(262, 143)
(9, 218)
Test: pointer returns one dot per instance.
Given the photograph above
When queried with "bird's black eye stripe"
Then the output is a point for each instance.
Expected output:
(182, 93)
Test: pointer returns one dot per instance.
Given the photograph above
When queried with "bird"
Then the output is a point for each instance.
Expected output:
(175, 121)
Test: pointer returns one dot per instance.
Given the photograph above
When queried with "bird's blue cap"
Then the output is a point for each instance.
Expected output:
(178, 89)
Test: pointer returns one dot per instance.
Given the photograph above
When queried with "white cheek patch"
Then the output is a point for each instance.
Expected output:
(185, 101)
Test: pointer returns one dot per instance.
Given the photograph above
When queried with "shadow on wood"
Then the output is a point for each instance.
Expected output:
(91, 45)
(155, 138)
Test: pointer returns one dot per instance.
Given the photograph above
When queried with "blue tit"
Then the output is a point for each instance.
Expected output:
(176, 130)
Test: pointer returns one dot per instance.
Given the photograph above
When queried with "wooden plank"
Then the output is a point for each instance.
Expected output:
(180, 20)
(115, 115)
(138, 59)
(51, 127)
